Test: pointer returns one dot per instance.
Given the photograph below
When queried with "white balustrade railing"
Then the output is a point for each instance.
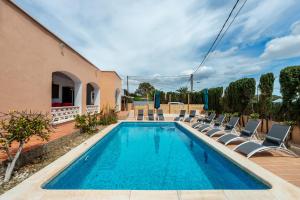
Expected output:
(92, 109)
(64, 114)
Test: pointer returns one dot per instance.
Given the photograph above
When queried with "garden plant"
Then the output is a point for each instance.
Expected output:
(19, 127)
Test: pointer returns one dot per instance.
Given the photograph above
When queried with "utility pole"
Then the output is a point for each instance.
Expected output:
(127, 85)
(192, 82)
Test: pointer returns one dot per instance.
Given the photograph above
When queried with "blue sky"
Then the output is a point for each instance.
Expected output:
(170, 37)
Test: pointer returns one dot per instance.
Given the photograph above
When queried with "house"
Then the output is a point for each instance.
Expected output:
(41, 72)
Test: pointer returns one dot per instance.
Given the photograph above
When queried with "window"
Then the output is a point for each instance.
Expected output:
(55, 91)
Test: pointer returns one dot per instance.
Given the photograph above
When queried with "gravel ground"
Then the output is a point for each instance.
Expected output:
(26, 171)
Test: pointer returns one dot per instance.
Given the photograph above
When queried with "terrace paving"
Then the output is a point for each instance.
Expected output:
(285, 167)
(280, 164)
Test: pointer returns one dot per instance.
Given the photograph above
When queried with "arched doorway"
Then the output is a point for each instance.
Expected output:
(118, 100)
(66, 100)
(92, 98)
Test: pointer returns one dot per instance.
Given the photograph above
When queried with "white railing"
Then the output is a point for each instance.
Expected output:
(64, 114)
(92, 109)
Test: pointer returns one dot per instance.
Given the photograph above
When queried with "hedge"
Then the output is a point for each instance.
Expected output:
(266, 84)
(238, 96)
(214, 99)
(290, 90)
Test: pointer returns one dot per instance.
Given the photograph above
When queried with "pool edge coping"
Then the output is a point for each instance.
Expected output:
(281, 189)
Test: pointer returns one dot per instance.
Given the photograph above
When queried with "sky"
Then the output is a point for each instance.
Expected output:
(156, 40)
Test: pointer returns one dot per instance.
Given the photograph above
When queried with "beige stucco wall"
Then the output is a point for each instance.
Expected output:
(29, 54)
(109, 82)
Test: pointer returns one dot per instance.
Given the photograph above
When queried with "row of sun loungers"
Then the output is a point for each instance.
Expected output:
(227, 134)
(159, 115)
(181, 116)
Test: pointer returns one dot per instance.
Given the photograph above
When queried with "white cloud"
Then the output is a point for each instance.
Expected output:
(296, 28)
(263, 18)
(284, 47)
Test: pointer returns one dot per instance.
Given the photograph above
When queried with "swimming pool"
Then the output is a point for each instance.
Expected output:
(153, 156)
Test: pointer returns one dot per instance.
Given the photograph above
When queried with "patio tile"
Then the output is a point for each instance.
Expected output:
(201, 195)
(149, 195)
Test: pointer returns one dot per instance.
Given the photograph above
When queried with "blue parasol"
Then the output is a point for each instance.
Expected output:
(157, 99)
(205, 99)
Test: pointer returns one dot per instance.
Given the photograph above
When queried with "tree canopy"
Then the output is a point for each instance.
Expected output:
(183, 90)
(144, 89)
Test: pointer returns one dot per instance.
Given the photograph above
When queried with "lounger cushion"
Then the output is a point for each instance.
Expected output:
(248, 147)
(273, 140)
(196, 124)
(207, 120)
(200, 120)
(225, 138)
(246, 133)
(151, 117)
(201, 128)
(160, 117)
(177, 118)
(217, 124)
(188, 119)
(140, 117)
(213, 131)
(140, 112)
(228, 127)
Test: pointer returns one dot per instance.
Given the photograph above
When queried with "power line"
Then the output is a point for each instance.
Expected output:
(164, 82)
(159, 76)
(209, 50)
(237, 13)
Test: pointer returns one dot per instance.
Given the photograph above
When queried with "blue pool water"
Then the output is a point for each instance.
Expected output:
(152, 156)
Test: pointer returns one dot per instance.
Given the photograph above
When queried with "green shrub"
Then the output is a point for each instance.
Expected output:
(229, 115)
(107, 117)
(80, 121)
(210, 111)
(86, 123)
(254, 116)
